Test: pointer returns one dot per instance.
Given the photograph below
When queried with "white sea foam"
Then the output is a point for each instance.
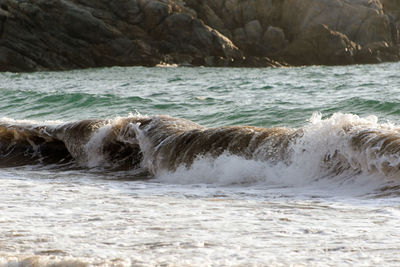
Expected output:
(230, 170)
(223, 170)
(334, 137)
(79, 219)
(309, 164)
(12, 121)
(43, 261)
(93, 148)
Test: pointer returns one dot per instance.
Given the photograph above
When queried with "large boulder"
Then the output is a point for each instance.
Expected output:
(392, 9)
(253, 30)
(363, 21)
(290, 22)
(274, 39)
(155, 13)
(320, 45)
(65, 34)
(183, 34)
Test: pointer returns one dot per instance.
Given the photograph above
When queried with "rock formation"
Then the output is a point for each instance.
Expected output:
(67, 34)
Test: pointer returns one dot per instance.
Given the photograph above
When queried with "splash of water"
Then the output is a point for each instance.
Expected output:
(178, 150)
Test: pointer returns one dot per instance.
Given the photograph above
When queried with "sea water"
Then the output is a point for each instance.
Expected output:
(226, 210)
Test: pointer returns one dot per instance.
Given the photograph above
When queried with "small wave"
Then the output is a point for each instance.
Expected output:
(181, 151)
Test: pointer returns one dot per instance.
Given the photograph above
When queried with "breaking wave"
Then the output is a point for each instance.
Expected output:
(175, 150)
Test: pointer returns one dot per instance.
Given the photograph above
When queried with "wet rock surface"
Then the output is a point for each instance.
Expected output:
(68, 34)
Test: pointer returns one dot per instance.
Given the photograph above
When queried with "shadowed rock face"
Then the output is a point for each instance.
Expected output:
(67, 34)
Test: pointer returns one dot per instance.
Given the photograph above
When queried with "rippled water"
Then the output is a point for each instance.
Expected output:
(209, 96)
(227, 211)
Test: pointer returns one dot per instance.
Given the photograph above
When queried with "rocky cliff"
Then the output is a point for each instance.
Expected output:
(67, 34)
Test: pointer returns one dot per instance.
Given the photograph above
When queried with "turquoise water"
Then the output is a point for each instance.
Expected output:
(209, 96)
(227, 210)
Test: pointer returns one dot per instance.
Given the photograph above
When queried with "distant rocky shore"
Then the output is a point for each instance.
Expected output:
(69, 34)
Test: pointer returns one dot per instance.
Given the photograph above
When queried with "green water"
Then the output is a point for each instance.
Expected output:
(209, 96)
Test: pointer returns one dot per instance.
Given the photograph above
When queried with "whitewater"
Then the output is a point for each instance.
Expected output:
(177, 166)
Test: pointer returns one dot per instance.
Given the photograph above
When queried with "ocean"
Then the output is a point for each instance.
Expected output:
(181, 166)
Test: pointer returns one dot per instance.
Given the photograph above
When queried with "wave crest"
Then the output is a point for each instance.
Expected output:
(343, 144)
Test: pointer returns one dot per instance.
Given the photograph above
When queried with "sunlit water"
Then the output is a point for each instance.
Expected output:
(222, 212)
